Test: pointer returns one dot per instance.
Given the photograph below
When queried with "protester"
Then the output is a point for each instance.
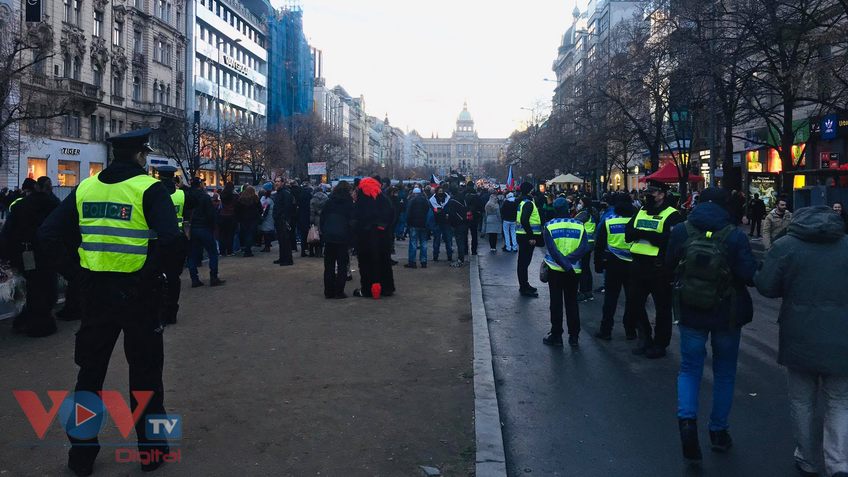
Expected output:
(776, 223)
(459, 218)
(493, 222)
(807, 270)
(417, 209)
(304, 218)
(202, 226)
(509, 213)
(756, 216)
(284, 202)
(374, 215)
(228, 220)
(714, 266)
(316, 205)
(337, 225)
(249, 214)
(441, 230)
(475, 206)
(266, 226)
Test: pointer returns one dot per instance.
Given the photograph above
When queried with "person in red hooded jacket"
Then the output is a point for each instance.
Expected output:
(374, 217)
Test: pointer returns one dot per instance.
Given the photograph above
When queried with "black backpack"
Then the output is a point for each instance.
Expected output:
(704, 277)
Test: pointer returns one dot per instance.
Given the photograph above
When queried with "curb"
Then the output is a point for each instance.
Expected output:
(491, 459)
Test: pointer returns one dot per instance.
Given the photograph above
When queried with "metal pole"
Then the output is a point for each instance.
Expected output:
(218, 100)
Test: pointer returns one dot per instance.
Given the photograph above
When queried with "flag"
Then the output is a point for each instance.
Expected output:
(510, 181)
(433, 181)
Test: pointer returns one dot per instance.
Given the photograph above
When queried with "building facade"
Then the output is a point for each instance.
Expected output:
(464, 151)
(122, 65)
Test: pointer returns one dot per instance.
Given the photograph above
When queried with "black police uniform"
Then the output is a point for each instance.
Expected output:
(174, 268)
(119, 302)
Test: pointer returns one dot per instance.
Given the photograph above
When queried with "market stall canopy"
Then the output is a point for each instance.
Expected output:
(668, 174)
(565, 179)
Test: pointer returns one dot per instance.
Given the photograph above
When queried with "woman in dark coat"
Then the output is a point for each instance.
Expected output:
(227, 227)
(337, 231)
(374, 216)
(249, 214)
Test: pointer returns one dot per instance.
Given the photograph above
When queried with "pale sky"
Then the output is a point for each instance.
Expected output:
(419, 60)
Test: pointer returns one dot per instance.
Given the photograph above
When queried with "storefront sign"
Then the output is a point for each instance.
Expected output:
(70, 152)
(766, 187)
(33, 11)
(195, 133)
(317, 168)
(236, 65)
(824, 157)
(737, 159)
(828, 127)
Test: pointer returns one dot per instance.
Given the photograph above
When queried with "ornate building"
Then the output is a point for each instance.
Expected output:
(123, 65)
(464, 151)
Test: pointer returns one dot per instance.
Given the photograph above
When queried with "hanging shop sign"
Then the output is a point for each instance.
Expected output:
(752, 158)
(828, 127)
(70, 151)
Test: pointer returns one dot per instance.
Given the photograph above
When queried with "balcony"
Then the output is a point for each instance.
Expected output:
(138, 59)
(117, 100)
(157, 108)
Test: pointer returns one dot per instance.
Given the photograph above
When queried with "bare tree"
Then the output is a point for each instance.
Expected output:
(176, 142)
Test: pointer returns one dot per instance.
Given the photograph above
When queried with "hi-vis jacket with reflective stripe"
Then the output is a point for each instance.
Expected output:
(616, 244)
(114, 231)
(535, 220)
(650, 223)
(567, 236)
(178, 197)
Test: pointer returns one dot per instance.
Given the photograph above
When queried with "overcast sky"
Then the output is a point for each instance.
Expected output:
(419, 60)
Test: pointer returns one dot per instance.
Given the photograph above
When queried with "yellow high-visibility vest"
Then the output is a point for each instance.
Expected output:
(567, 235)
(114, 231)
(535, 220)
(651, 223)
(178, 198)
(616, 244)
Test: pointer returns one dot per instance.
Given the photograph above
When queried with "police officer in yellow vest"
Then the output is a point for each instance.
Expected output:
(649, 232)
(528, 231)
(27, 188)
(183, 202)
(567, 242)
(613, 257)
(127, 227)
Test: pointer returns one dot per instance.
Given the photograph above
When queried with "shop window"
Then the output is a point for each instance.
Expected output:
(752, 158)
(774, 163)
(36, 168)
(94, 168)
(69, 172)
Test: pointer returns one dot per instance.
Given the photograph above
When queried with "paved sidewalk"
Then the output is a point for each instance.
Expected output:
(271, 378)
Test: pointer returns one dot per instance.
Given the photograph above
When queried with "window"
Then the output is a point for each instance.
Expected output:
(71, 124)
(177, 99)
(139, 4)
(67, 66)
(167, 13)
(179, 21)
(98, 24)
(120, 126)
(117, 85)
(77, 13)
(101, 128)
(118, 34)
(98, 77)
(138, 46)
(94, 168)
(69, 173)
(155, 90)
(68, 15)
(77, 68)
(167, 58)
(92, 128)
(202, 34)
(38, 62)
(179, 59)
(168, 96)
(136, 88)
(113, 126)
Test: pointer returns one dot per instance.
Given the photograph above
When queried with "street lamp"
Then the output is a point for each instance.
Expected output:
(218, 104)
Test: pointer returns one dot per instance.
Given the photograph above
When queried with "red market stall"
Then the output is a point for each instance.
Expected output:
(668, 174)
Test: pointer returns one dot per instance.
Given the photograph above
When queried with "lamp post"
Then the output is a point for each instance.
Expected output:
(218, 94)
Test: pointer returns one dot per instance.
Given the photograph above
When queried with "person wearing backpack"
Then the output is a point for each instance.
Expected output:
(714, 268)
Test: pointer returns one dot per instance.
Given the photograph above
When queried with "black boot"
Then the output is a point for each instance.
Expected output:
(689, 440)
(720, 440)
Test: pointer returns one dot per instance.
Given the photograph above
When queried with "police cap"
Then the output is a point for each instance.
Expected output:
(166, 171)
(133, 141)
(655, 185)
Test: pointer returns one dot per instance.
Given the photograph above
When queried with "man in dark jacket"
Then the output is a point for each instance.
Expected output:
(458, 220)
(442, 230)
(723, 324)
(806, 268)
(202, 236)
(612, 257)
(337, 227)
(304, 199)
(475, 206)
(416, 219)
(756, 216)
(283, 204)
(509, 214)
(529, 234)
(21, 248)
(294, 217)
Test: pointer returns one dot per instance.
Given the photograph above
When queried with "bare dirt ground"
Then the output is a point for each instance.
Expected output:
(271, 378)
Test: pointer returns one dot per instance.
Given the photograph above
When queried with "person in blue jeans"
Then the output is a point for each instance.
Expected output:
(722, 326)
(202, 236)
(417, 210)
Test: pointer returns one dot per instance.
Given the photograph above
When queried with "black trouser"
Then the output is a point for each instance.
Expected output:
(758, 225)
(493, 240)
(42, 293)
(615, 280)
(563, 287)
(112, 303)
(472, 227)
(304, 239)
(586, 267)
(525, 256)
(247, 236)
(267, 237)
(659, 289)
(334, 283)
(460, 233)
(292, 235)
(374, 251)
(282, 226)
(226, 234)
(72, 309)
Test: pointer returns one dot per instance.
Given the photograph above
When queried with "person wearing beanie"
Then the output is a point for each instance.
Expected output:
(27, 188)
(528, 232)
(566, 241)
(417, 208)
(612, 258)
(509, 214)
(720, 324)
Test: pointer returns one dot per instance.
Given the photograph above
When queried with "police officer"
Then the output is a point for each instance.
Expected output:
(588, 215)
(612, 257)
(182, 202)
(567, 242)
(528, 230)
(649, 231)
(128, 230)
(27, 188)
